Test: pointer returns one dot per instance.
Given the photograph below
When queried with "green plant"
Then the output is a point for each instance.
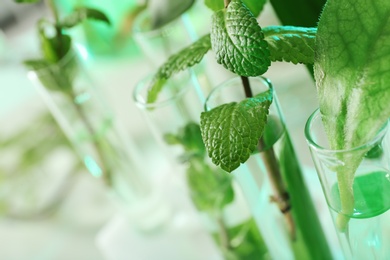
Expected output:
(211, 190)
(233, 132)
(61, 67)
(350, 53)
(352, 74)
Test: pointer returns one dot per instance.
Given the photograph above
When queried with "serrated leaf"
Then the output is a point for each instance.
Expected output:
(82, 13)
(182, 60)
(352, 73)
(290, 43)
(254, 6)
(238, 41)
(231, 132)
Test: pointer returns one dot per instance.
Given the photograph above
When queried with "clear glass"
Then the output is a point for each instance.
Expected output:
(86, 120)
(273, 183)
(362, 220)
(174, 118)
(31, 185)
(158, 44)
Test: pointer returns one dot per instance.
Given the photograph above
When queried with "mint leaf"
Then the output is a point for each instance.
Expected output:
(182, 60)
(238, 41)
(290, 43)
(232, 131)
(82, 13)
(352, 73)
(190, 138)
(352, 65)
(254, 6)
(210, 189)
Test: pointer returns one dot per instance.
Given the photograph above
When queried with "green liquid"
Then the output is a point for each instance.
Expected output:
(371, 193)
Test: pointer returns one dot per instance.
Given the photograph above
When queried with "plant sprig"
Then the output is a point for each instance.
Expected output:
(55, 45)
(352, 68)
(247, 49)
(61, 70)
(274, 43)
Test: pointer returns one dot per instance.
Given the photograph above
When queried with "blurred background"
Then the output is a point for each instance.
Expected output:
(51, 207)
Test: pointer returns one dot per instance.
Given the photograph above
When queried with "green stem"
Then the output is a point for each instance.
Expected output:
(281, 196)
(97, 144)
(268, 156)
(247, 87)
(347, 200)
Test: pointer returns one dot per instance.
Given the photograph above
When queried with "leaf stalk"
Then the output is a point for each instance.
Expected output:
(269, 159)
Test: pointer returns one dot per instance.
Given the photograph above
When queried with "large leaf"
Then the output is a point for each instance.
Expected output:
(238, 42)
(352, 70)
(182, 60)
(290, 43)
(232, 131)
(254, 6)
(82, 13)
(306, 13)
